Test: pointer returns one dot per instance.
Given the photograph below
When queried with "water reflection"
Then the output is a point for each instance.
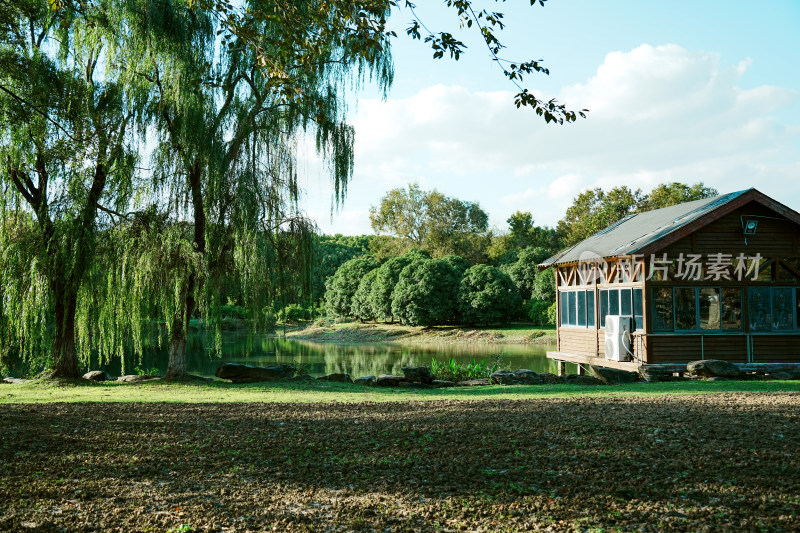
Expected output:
(326, 358)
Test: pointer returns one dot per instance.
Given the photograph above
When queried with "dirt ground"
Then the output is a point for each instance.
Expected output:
(721, 462)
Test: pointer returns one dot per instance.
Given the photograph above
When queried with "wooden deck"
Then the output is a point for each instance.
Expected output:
(630, 366)
(635, 366)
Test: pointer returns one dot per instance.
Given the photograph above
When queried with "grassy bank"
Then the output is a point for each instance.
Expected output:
(353, 332)
(314, 392)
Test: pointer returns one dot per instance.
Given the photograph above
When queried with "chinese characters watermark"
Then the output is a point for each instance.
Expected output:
(685, 267)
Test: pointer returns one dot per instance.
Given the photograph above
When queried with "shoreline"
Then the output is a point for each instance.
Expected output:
(355, 333)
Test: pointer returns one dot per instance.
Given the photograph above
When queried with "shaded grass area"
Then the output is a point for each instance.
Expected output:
(710, 462)
(311, 391)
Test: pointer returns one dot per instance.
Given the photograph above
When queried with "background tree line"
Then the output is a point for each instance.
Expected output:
(433, 259)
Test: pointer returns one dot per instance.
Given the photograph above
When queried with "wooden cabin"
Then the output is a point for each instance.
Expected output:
(717, 278)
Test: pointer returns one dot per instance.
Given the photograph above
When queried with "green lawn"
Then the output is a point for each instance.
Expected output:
(304, 392)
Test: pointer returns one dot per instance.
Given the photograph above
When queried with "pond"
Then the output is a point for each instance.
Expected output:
(327, 358)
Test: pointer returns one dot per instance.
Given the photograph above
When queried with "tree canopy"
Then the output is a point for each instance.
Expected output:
(68, 151)
(487, 296)
(426, 293)
(432, 221)
(343, 285)
(596, 209)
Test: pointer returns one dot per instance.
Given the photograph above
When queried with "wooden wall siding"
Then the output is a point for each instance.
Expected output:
(685, 348)
(726, 347)
(577, 341)
(674, 349)
(773, 238)
(776, 348)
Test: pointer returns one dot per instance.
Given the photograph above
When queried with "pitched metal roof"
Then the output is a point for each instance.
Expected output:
(636, 232)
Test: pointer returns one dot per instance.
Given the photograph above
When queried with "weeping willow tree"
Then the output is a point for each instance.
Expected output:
(66, 132)
(227, 124)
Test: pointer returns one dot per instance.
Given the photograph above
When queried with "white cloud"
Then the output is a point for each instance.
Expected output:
(656, 114)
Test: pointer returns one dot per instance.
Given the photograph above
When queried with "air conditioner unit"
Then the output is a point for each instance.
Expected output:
(618, 338)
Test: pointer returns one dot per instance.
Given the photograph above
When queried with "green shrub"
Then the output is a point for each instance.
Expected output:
(524, 271)
(426, 293)
(487, 296)
(388, 274)
(459, 263)
(362, 304)
(552, 314)
(342, 286)
(538, 312)
(269, 318)
(451, 370)
(233, 311)
(295, 313)
(544, 286)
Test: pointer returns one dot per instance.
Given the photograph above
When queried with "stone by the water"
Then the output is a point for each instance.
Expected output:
(96, 375)
(612, 376)
(519, 377)
(389, 380)
(366, 381)
(709, 368)
(239, 373)
(551, 379)
(418, 374)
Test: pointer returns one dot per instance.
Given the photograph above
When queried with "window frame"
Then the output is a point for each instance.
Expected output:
(794, 292)
(604, 296)
(589, 311)
(745, 326)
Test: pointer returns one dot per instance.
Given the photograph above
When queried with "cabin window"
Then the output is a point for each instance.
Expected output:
(731, 308)
(782, 309)
(706, 308)
(685, 309)
(577, 308)
(709, 300)
(759, 308)
(624, 302)
(662, 309)
(638, 309)
(571, 305)
(773, 308)
(581, 319)
(603, 307)
(797, 308)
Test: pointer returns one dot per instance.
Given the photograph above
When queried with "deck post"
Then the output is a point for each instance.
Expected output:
(562, 368)
(581, 370)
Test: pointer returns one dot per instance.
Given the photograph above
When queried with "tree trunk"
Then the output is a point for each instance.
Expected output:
(65, 356)
(176, 368)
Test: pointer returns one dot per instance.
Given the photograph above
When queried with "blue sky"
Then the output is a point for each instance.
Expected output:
(682, 90)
